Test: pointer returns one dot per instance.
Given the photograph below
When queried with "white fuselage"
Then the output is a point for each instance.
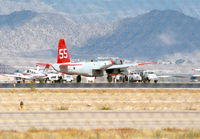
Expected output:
(90, 69)
(32, 74)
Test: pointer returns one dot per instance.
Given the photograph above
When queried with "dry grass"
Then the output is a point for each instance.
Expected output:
(34, 90)
(97, 99)
(105, 108)
(62, 108)
(102, 134)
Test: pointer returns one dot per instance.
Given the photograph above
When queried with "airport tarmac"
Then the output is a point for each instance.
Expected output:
(99, 119)
(101, 85)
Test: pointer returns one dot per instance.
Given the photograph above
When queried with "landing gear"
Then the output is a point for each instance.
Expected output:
(23, 81)
(60, 80)
(78, 79)
(125, 79)
(46, 80)
(109, 78)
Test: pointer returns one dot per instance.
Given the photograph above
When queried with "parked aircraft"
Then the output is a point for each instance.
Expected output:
(195, 77)
(88, 69)
(198, 70)
(34, 74)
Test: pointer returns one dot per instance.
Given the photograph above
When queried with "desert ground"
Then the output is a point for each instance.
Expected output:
(103, 134)
(99, 99)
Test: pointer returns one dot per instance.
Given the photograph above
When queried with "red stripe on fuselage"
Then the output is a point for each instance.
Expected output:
(71, 65)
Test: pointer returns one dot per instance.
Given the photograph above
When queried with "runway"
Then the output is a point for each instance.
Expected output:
(101, 85)
(99, 119)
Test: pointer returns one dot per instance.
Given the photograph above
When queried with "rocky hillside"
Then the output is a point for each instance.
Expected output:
(150, 36)
(31, 34)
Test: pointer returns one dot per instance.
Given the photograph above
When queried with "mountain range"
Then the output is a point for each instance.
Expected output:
(150, 36)
(153, 35)
(31, 34)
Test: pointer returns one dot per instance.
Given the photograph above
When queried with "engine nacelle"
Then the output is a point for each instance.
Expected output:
(97, 73)
(117, 71)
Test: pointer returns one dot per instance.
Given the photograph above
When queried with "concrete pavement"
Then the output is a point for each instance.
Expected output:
(99, 119)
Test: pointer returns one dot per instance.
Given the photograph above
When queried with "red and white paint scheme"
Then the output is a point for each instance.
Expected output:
(35, 75)
(88, 69)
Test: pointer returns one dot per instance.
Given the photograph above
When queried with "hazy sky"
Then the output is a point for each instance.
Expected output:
(100, 10)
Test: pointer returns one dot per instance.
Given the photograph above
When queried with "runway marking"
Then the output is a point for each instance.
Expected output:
(99, 120)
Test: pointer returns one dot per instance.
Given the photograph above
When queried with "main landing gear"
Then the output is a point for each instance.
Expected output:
(109, 78)
(78, 79)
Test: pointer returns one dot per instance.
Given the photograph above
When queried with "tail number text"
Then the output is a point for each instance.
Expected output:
(63, 53)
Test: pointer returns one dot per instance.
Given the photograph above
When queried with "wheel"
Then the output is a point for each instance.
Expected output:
(156, 81)
(145, 80)
(60, 80)
(46, 80)
(78, 79)
(109, 78)
(125, 79)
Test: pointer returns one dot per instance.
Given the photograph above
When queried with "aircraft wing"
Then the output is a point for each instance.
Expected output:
(63, 65)
(43, 64)
(17, 76)
(175, 76)
(124, 66)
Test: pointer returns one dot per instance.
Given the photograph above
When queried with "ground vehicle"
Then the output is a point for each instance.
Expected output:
(53, 77)
(120, 78)
(148, 76)
(90, 79)
(67, 78)
(195, 78)
(134, 77)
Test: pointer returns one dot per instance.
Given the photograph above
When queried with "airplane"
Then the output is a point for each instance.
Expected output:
(195, 77)
(88, 69)
(34, 74)
(198, 70)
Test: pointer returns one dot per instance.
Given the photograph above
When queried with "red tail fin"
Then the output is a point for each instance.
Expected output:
(63, 55)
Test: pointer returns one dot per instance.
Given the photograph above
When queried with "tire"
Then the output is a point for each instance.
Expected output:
(155, 81)
(145, 80)
(46, 80)
(126, 78)
(78, 79)
(109, 78)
